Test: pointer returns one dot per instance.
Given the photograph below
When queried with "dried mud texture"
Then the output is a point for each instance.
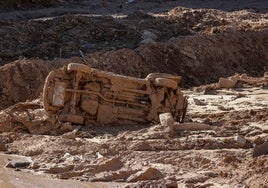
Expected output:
(64, 36)
(210, 155)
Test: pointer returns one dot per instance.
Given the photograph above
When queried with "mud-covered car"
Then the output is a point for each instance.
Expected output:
(83, 95)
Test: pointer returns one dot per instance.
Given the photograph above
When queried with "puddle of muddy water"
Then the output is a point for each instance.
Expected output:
(9, 178)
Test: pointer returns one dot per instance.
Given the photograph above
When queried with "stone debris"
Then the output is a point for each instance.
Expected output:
(140, 146)
(3, 147)
(241, 141)
(199, 102)
(147, 174)
(261, 149)
(148, 37)
(112, 164)
(167, 122)
(192, 126)
(227, 83)
(18, 164)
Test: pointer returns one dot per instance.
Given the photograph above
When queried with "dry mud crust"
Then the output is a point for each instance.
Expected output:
(64, 36)
(151, 156)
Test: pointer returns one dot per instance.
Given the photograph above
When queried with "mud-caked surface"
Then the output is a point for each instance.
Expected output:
(200, 45)
(205, 42)
(198, 59)
(213, 147)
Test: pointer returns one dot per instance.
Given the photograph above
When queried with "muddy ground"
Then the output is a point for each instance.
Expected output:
(199, 40)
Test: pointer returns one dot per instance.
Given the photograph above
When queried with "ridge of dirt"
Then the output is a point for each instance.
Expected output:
(198, 59)
(65, 36)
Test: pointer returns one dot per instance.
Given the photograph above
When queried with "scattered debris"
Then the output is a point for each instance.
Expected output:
(227, 83)
(17, 164)
(147, 174)
(199, 102)
(167, 121)
(240, 140)
(3, 147)
(192, 126)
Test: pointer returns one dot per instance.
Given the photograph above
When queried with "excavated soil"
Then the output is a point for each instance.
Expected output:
(198, 59)
(198, 40)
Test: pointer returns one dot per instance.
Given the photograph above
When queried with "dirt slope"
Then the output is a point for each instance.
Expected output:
(198, 59)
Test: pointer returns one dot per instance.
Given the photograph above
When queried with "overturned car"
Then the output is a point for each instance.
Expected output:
(83, 95)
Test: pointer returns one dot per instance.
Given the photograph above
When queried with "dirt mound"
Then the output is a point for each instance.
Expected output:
(24, 79)
(198, 59)
(65, 36)
(23, 4)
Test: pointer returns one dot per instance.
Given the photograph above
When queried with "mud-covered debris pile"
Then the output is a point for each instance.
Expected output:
(215, 21)
(242, 81)
(66, 35)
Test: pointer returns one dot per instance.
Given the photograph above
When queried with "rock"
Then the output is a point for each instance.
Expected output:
(166, 119)
(147, 174)
(113, 175)
(227, 83)
(140, 146)
(261, 149)
(167, 122)
(225, 108)
(196, 179)
(3, 147)
(192, 126)
(265, 75)
(243, 76)
(171, 183)
(60, 169)
(199, 102)
(17, 164)
(146, 41)
(148, 35)
(240, 140)
(214, 30)
(130, 1)
(112, 164)
(68, 175)
(259, 140)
